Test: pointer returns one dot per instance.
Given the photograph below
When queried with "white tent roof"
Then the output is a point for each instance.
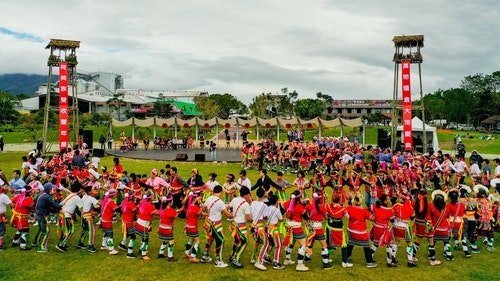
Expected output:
(418, 125)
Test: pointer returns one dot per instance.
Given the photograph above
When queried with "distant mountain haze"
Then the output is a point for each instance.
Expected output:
(18, 83)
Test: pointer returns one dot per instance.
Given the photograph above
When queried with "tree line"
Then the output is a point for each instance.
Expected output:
(266, 105)
(476, 99)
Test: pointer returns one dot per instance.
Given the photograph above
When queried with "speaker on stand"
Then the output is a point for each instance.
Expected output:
(181, 157)
(199, 157)
(383, 140)
(97, 152)
(88, 138)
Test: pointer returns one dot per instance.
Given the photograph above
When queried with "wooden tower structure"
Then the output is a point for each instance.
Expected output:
(407, 47)
(61, 50)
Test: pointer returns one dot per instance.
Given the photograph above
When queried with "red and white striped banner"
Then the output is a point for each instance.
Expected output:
(63, 106)
(407, 106)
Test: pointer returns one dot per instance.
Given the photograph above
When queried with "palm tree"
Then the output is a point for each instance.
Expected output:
(116, 101)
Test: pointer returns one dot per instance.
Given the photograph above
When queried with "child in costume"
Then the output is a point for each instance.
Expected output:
(108, 209)
(166, 228)
(142, 226)
(193, 213)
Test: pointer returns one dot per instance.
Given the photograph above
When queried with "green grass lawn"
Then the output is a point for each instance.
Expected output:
(476, 140)
(82, 265)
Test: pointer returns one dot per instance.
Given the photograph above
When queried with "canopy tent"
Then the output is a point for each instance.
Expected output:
(256, 122)
(271, 122)
(418, 130)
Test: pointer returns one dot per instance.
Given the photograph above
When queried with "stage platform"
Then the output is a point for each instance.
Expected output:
(223, 155)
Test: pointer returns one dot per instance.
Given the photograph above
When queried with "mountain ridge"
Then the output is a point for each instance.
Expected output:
(22, 83)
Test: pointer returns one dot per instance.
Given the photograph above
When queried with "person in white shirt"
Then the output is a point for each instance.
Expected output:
(274, 216)
(346, 158)
(89, 203)
(95, 162)
(460, 169)
(258, 209)
(474, 171)
(497, 166)
(4, 202)
(215, 208)
(494, 182)
(69, 206)
(212, 182)
(241, 215)
(243, 180)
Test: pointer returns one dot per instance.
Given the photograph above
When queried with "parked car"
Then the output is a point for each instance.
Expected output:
(452, 126)
(464, 127)
(481, 129)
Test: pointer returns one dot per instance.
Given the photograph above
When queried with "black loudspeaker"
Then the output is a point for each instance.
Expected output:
(88, 138)
(383, 140)
(98, 152)
(382, 133)
(181, 157)
(199, 157)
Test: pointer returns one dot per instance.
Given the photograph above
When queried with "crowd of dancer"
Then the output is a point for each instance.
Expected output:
(343, 196)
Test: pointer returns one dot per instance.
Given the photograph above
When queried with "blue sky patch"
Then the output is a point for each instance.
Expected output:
(21, 35)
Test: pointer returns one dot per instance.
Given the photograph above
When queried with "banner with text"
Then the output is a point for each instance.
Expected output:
(407, 107)
(63, 106)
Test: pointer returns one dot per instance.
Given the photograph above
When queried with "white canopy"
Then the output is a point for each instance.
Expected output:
(418, 128)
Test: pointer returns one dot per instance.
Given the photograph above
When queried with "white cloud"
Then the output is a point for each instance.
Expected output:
(342, 48)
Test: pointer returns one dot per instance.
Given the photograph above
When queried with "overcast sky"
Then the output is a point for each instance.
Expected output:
(342, 48)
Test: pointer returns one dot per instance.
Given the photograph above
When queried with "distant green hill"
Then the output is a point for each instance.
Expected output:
(18, 83)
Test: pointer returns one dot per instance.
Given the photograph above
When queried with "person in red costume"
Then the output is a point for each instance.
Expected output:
(296, 211)
(335, 234)
(317, 211)
(423, 227)
(142, 227)
(381, 233)
(23, 203)
(193, 213)
(166, 228)
(108, 209)
(128, 213)
(439, 215)
(403, 213)
(358, 235)
(457, 212)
